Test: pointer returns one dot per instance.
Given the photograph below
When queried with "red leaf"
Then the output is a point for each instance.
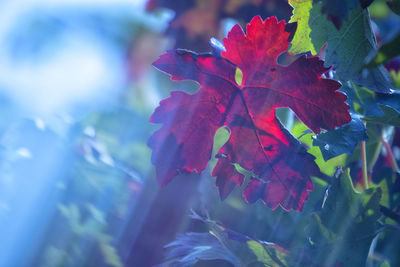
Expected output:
(227, 177)
(258, 141)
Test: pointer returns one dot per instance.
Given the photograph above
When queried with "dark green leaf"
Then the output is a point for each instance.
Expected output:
(341, 140)
(390, 116)
(361, 100)
(337, 11)
(375, 107)
(376, 79)
(348, 47)
(346, 225)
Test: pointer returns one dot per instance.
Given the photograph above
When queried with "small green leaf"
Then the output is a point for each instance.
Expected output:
(301, 42)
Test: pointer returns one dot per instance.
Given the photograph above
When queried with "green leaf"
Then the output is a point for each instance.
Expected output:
(301, 42)
(361, 100)
(341, 140)
(348, 47)
(390, 117)
(376, 79)
(337, 11)
(346, 225)
(375, 107)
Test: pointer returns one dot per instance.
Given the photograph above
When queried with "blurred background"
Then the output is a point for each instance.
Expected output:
(77, 89)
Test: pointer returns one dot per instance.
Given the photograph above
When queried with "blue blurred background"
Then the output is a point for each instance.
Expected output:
(76, 91)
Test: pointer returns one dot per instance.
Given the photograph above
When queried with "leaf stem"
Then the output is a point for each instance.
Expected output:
(364, 164)
(392, 159)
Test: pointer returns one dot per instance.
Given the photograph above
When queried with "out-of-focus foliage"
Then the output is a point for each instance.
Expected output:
(196, 21)
(74, 170)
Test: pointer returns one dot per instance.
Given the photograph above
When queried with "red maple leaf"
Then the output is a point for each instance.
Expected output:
(258, 141)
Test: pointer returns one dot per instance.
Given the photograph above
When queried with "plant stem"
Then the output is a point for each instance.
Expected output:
(375, 153)
(364, 164)
(393, 162)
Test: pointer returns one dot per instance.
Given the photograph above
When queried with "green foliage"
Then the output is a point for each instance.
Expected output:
(346, 224)
(338, 11)
(348, 47)
(341, 140)
(342, 45)
(306, 137)
(375, 107)
(390, 116)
